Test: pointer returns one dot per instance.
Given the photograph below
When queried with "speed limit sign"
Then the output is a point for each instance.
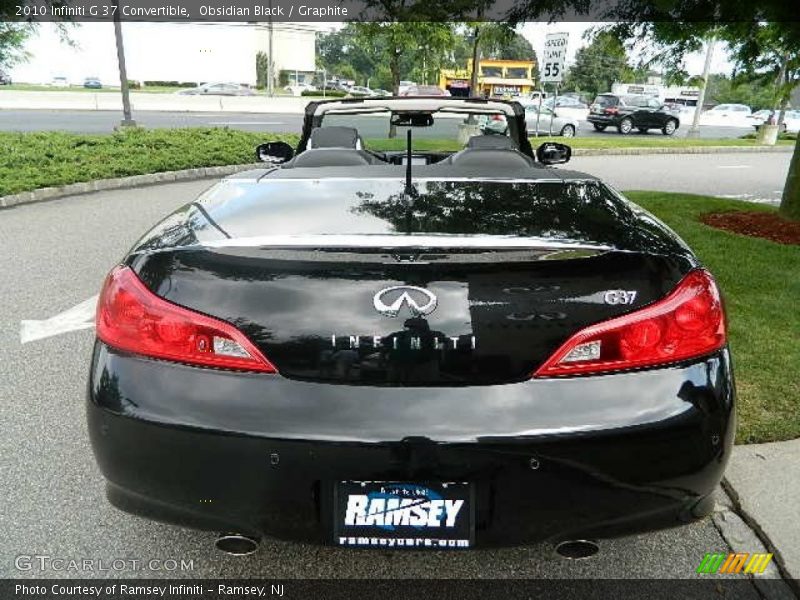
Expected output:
(555, 53)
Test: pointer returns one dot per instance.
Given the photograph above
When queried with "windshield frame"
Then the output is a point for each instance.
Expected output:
(513, 111)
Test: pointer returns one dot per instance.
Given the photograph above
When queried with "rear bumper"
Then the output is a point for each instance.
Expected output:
(602, 119)
(548, 459)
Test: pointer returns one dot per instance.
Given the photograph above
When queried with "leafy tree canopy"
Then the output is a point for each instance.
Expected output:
(598, 65)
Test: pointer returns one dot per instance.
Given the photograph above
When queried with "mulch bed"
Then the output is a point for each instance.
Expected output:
(766, 225)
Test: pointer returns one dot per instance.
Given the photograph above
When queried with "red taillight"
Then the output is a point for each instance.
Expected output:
(132, 318)
(688, 323)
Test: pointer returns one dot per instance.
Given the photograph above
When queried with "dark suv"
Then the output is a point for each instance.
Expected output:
(629, 112)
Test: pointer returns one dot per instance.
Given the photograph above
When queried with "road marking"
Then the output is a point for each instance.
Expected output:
(78, 317)
(245, 123)
(734, 166)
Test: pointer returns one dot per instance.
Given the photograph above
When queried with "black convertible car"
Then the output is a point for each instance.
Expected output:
(369, 343)
(629, 112)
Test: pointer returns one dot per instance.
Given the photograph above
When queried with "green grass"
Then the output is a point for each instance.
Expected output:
(418, 143)
(761, 285)
(42, 159)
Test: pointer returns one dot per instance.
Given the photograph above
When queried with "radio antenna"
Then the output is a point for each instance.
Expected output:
(410, 191)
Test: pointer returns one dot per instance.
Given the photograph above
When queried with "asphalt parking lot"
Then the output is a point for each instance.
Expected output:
(55, 257)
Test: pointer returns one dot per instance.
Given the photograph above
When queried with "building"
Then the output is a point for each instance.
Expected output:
(686, 95)
(496, 78)
(169, 52)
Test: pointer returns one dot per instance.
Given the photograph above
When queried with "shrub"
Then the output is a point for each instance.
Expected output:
(51, 158)
(328, 93)
(182, 84)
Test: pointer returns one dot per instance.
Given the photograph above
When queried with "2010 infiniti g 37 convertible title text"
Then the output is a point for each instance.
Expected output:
(408, 349)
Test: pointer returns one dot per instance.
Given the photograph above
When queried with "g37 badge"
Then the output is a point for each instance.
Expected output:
(619, 296)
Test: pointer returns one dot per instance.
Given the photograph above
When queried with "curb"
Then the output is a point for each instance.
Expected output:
(98, 185)
(119, 183)
(679, 150)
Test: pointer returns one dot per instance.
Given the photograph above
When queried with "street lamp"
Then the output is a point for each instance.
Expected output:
(127, 118)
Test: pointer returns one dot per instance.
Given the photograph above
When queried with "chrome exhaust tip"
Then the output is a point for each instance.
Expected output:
(236, 544)
(577, 549)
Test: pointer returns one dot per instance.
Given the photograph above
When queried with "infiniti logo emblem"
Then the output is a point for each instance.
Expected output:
(390, 300)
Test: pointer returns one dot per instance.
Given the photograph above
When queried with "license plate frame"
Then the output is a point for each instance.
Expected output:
(397, 515)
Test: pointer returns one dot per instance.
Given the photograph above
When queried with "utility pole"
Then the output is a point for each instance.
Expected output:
(694, 130)
(127, 118)
(476, 57)
(270, 63)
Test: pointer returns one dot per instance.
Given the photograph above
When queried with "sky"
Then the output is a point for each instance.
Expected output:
(535, 33)
(95, 53)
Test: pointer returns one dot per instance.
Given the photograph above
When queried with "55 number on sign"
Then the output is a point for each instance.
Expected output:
(555, 54)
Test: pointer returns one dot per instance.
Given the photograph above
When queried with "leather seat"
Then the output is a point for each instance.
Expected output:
(335, 137)
(498, 151)
(491, 142)
(331, 157)
(333, 147)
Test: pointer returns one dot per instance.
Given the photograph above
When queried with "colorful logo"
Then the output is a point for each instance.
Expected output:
(739, 562)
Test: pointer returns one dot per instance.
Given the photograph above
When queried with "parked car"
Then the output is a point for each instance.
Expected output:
(404, 85)
(549, 121)
(565, 101)
(380, 92)
(729, 110)
(411, 347)
(59, 81)
(736, 115)
(568, 106)
(337, 85)
(92, 83)
(791, 119)
(5, 78)
(218, 89)
(360, 90)
(627, 113)
(791, 122)
(297, 89)
(424, 90)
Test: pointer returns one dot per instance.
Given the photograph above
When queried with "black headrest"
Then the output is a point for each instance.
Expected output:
(491, 142)
(490, 157)
(330, 157)
(334, 137)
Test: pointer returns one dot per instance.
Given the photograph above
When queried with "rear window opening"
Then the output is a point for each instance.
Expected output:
(606, 100)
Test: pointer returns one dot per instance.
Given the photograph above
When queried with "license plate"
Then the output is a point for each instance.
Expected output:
(403, 515)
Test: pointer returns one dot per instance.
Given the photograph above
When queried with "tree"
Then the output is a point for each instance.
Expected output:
(402, 44)
(764, 41)
(262, 69)
(598, 65)
(12, 41)
(500, 40)
(723, 89)
(341, 54)
(362, 51)
(678, 27)
(776, 70)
